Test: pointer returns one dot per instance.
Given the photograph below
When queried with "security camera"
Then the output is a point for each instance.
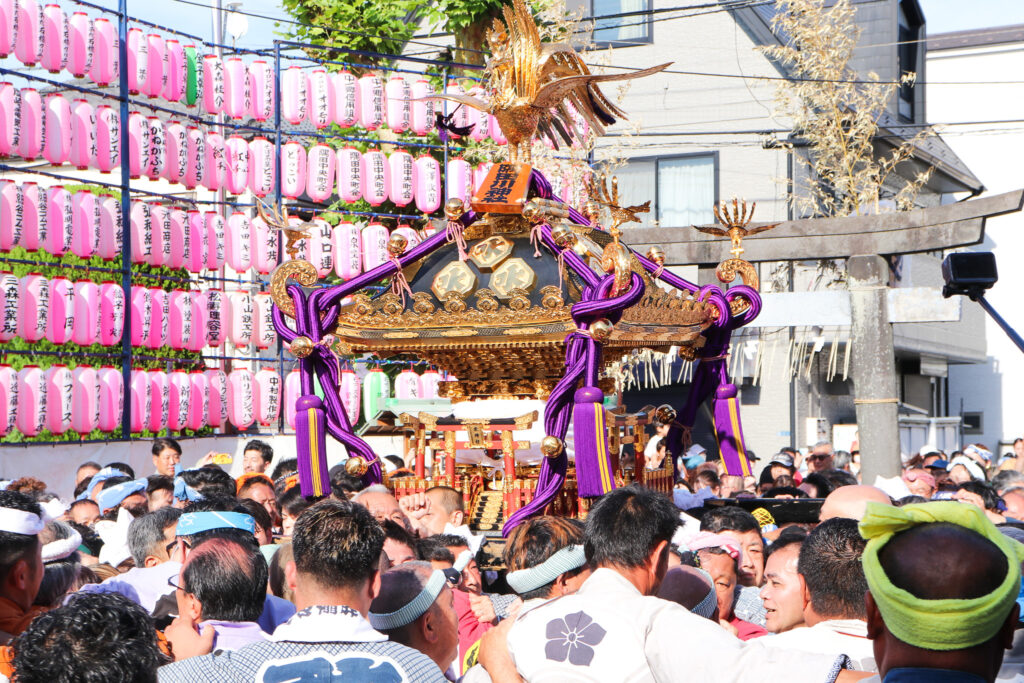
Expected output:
(969, 273)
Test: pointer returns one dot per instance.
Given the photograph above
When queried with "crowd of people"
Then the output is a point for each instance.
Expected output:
(193, 575)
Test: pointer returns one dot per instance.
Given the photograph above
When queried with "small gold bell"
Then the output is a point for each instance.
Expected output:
(551, 446)
(356, 466)
(656, 254)
(301, 347)
(601, 330)
(397, 244)
(454, 208)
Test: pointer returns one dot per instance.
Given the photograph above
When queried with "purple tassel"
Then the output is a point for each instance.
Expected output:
(311, 438)
(594, 476)
(729, 431)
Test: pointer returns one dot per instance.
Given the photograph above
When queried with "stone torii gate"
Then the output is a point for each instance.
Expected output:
(863, 241)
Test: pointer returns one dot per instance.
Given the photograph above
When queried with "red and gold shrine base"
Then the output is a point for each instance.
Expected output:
(504, 189)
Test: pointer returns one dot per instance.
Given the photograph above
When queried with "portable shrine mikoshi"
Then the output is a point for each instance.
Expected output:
(526, 300)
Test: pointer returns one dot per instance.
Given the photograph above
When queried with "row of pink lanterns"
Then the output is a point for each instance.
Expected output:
(83, 399)
(61, 311)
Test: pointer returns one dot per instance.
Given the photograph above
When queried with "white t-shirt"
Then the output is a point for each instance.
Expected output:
(833, 637)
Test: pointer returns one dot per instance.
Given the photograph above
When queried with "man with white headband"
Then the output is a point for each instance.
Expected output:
(21, 562)
(415, 608)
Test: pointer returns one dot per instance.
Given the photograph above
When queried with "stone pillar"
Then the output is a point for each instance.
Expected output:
(873, 368)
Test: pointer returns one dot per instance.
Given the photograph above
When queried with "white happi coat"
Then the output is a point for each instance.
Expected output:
(609, 631)
(832, 637)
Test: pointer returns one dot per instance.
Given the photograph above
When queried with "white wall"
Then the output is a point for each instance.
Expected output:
(994, 155)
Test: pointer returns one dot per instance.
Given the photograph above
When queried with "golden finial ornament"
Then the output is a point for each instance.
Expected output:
(531, 83)
(665, 414)
(551, 446)
(735, 223)
(277, 219)
(599, 194)
(601, 330)
(356, 466)
(301, 347)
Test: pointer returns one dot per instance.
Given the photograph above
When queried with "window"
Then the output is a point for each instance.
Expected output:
(973, 423)
(631, 29)
(682, 189)
(906, 55)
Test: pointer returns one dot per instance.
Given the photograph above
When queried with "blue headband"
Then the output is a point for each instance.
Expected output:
(565, 560)
(112, 497)
(192, 523)
(100, 477)
(706, 607)
(413, 609)
(183, 492)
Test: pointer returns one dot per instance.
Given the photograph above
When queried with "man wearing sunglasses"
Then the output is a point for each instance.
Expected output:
(820, 459)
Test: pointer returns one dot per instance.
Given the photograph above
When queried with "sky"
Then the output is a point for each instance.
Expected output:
(942, 16)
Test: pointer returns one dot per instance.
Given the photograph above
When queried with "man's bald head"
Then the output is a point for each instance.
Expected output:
(444, 507)
(381, 504)
(688, 586)
(850, 501)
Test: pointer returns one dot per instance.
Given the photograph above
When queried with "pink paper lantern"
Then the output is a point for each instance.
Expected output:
(11, 212)
(175, 151)
(28, 44)
(83, 150)
(241, 319)
(348, 248)
(215, 230)
(428, 184)
(104, 69)
(178, 401)
(292, 391)
(375, 246)
(461, 114)
(111, 313)
(267, 392)
(261, 167)
(8, 26)
(241, 397)
(264, 336)
(217, 406)
(61, 318)
(236, 85)
(422, 117)
(138, 144)
(111, 385)
(57, 130)
(87, 313)
(160, 230)
(346, 98)
(213, 84)
(350, 174)
(9, 306)
(159, 391)
(108, 139)
(198, 402)
(59, 387)
(236, 161)
(399, 108)
(31, 125)
(477, 118)
(55, 39)
(195, 163)
(407, 385)
(480, 174)
(198, 242)
(218, 312)
(178, 226)
(459, 179)
(109, 246)
(428, 384)
(402, 172)
(160, 321)
(8, 399)
(156, 79)
(141, 400)
(138, 61)
(141, 228)
(85, 224)
(216, 166)
(238, 247)
(293, 169)
(376, 182)
(320, 247)
(85, 399)
(179, 324)
(200, 305)
(320, 172)
(156, 157)
(33, 217)
(321, 104)
(34, 306)
(261, 90)
(141, 315)
(31, 400)
(350, 395)
(371, 102)
(264, 246)
(10, 119)
(176, 71)
(58, 220)
(294, 89)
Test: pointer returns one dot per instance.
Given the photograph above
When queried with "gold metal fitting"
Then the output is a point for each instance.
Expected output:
(356, 466)
(397, 245)
(563, 236)
(454, 208)
(551, 446)
(665, 414)
(656, 254)
(301, 347)
(601, 330)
